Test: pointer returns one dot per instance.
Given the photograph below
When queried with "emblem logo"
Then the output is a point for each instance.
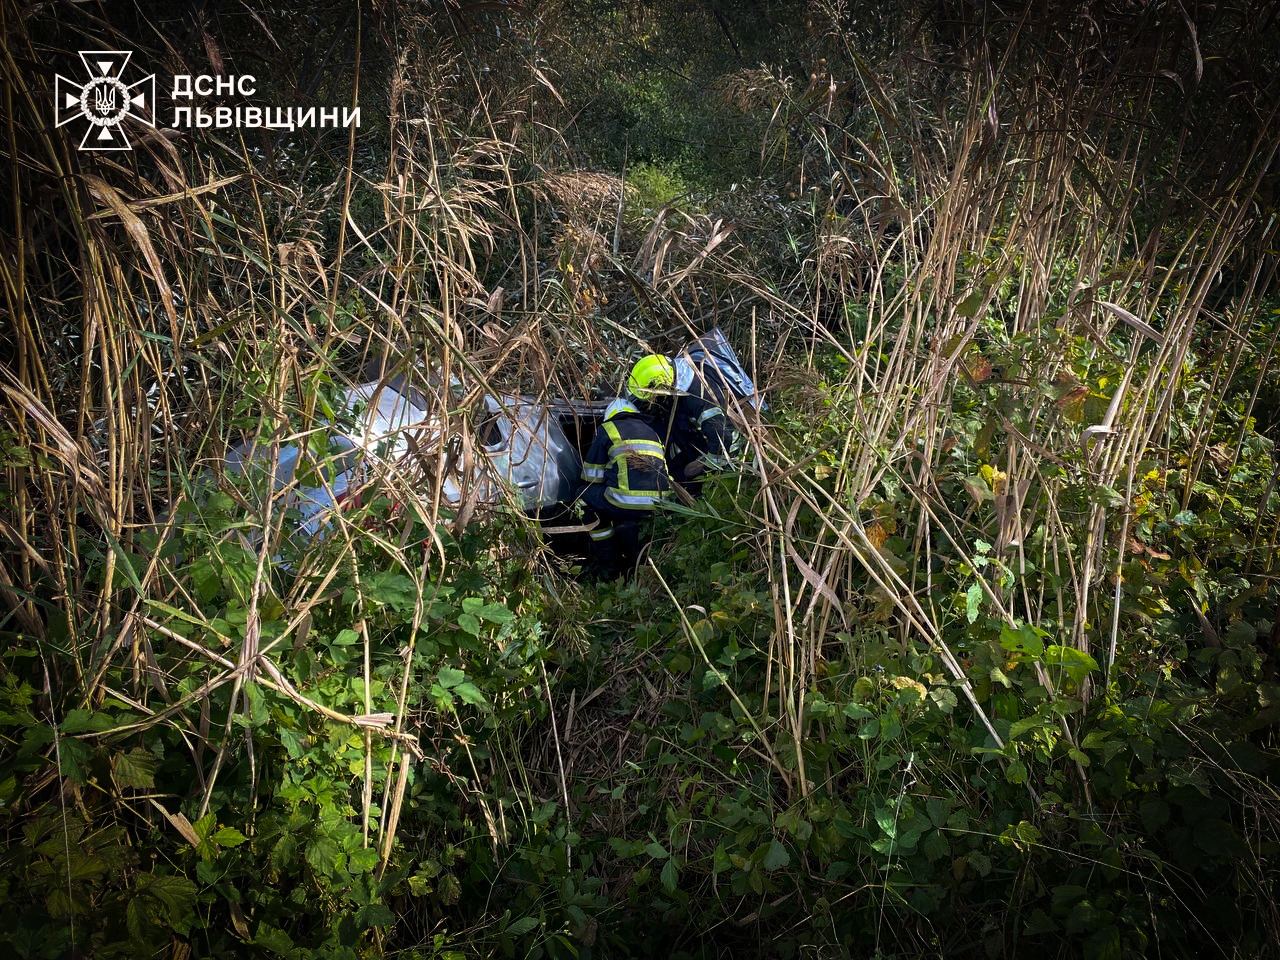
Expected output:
(104, 100)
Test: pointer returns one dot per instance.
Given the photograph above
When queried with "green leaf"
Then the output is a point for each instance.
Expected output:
(679, 663)
(1025, 725)
(776, 857)
(291, 742)
(471, 694)
(257, 710)
(1094, 740)
(1103, 944)
(136, 918)
(864, 688)
(935, 846)
(137, 769)
(1024, 640)
(392, 589)
(375, 915)
(176, 894)
(127, 562)
(229, 837)
(1217, 838)
(346, 638)
(1155, 814)
(1079, 756)
(720, 861)
(205, 826)
(657, 851)
(1107, 496)
(938, 808)
(670, 876)
(60, 904)
(1039, 924)
(273, 940)
(1241, 633)
(495, 613)
(972, 599)
(887, 818)
(1066, 894)
(1026, 832)
(450, 677)
(81, 867)
(469, 623)
(324, 855)
(944, 698)
(522, 926)
(1075, 663)
(84, 721)
(856, 711)
(969, 306)
(442, 697)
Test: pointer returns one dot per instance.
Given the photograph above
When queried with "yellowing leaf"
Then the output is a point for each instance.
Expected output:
(977, 488)
(996, 479)
(978, 368)
(907, 683)
(1071, 404)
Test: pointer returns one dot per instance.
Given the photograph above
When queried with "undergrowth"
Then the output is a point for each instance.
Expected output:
(975, 655)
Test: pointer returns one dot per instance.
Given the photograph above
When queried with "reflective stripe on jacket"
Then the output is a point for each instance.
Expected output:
(626, 456)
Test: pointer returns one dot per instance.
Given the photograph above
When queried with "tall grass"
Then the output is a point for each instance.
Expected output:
(1057, 181)
(1020, 222)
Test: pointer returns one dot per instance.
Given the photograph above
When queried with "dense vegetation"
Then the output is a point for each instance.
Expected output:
(976, 656)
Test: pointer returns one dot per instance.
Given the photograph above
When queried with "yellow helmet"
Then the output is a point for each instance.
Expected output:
(651, 376)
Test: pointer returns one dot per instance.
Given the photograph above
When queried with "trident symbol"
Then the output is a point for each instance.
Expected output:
(104, 101)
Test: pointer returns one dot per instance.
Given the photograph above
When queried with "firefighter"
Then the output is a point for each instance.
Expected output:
(626, 475)
(688, 407)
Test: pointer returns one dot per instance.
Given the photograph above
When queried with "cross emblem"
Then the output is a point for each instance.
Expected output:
(104, 100)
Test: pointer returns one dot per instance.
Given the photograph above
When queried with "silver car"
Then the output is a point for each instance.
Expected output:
(532, 447)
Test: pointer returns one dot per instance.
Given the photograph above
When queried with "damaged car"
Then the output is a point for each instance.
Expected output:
(528, 450)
